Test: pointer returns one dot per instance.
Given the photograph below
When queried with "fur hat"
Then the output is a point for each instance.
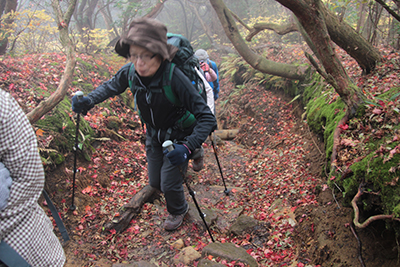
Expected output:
(149, 34)
(201, 54)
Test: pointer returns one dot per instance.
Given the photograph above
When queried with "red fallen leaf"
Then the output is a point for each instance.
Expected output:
(87, 209)
(332, 178)
(87, 190)
(344, 127)
(349, 142)
(377, 111)
(380, 102)
(113, 231)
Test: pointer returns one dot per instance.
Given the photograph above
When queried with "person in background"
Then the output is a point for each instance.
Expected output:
(145, 45)
(24, 226)
(211, 70)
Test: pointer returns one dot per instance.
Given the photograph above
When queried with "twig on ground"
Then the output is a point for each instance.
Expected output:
(309, 131)
(334, 197)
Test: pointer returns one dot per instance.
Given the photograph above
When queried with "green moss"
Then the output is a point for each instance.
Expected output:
(396, 210)
(88, 65)
(59, 121)
(323, 116)
(376, 171)
(87, 87)
(57, 158)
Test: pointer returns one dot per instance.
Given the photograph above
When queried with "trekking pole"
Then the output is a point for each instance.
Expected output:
(79, 95)
(219, 166)
(169, 145)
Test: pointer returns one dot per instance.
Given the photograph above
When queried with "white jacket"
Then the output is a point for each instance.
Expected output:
(209, 92)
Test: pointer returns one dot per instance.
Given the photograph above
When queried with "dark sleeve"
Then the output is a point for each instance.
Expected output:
(115, 86)
(192, 101)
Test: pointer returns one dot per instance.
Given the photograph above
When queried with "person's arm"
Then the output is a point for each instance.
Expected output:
(192, 101)
(115, 86)
(216, 82)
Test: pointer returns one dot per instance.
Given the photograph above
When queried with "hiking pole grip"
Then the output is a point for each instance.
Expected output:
(170, 146)
(79, 95)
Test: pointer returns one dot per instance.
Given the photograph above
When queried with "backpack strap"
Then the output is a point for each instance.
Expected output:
(188, 118)
(10, 257)
(131, 75)
(166, 84)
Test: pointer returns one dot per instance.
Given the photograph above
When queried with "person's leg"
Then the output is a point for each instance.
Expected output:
(171, 185)
(154, 157)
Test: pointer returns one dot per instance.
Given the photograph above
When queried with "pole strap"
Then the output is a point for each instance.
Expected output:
(56, 217)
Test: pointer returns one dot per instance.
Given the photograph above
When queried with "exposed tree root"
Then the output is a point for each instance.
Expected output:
(131, 209)
(359, 245)
(370, 219)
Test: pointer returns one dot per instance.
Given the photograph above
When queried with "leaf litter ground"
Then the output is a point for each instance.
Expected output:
(273, 167)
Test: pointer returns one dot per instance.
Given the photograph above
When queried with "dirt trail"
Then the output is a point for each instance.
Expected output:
(274, 169)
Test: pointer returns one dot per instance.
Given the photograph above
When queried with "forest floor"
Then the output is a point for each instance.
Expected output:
(275, 168)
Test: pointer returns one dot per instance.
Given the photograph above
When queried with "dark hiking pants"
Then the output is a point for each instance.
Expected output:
(166, 177)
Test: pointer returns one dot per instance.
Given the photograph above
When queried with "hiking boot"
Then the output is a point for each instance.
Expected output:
(174, 221)
(198, 159)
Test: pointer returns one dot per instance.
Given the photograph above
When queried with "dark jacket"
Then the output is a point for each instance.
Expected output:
(163, 113)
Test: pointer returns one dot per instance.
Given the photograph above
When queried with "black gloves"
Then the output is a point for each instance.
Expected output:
(82, 104)
(179, 155)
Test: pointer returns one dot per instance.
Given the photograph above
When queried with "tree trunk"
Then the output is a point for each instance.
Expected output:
(361, 17)
(105, 12)
(203, 25)
(349, 40)
(340, 32)
(369, 31)
(156, 9)
(6, 8)
(131, 209)
(62, 22)
(310, 15)
(256, 61)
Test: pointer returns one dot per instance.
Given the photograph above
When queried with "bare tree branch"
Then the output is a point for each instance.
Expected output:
(62, 22)
(388, 9)
(277, 28)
